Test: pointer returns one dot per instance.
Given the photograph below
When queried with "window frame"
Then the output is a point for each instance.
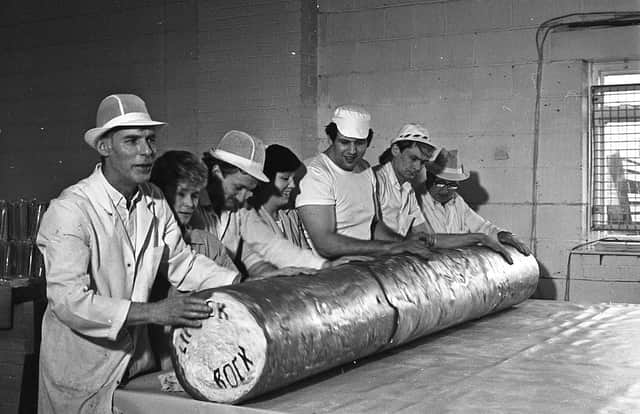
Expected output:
(598, 71)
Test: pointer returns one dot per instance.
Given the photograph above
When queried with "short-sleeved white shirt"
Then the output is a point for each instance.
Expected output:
(455, 216)
(398, 203)
(351, 193)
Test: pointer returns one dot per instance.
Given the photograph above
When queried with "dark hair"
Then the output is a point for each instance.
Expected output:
(435, 168)
(423, 187)
(431, 179)
(215, 188)
(332, 132)
(175, 166)
(226, 168)
(278, 158)
(439, 163)
(386, 156)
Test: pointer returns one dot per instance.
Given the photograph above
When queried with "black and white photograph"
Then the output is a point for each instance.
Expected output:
(319, 206)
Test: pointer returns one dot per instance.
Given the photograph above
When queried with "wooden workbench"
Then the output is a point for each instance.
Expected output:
(19, 345)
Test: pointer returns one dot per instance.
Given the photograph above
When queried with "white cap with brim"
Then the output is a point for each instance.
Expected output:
(352, 121)
(121, 110)
(454, 170)
(417, 133)
(243, 151)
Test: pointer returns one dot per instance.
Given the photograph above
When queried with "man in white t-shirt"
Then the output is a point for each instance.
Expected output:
(337, 200)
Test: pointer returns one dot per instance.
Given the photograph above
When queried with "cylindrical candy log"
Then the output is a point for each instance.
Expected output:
(268, 333)
(271, 332)
(454, 287)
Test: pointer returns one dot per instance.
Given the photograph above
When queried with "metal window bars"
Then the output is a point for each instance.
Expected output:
(615, 138)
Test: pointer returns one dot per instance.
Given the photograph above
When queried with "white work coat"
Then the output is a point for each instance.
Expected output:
(93, 275)
(252, 241)
(259, 228)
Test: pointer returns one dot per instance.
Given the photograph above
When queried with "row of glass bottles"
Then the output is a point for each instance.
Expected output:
(19, 223)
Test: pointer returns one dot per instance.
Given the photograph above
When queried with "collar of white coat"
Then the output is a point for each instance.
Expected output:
(118, 198)
(98, 188)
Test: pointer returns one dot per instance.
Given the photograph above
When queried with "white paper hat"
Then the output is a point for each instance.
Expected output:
(454, 170)
(243, 151)
(353, 121)
(120, 110)
(417, 133)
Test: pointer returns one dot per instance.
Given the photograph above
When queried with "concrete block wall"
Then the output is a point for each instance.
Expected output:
(257, 71)
(466, 69)
(276, 68)
(203, 66)
(59, 61)
(603, 278)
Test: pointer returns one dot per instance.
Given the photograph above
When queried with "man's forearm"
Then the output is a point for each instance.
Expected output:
(383, 232)
(453, 241)
(140, 313)
(336, 245)
(457, 240)
(256, 270)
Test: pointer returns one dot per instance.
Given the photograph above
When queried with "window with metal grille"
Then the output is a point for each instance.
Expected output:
(615, 134)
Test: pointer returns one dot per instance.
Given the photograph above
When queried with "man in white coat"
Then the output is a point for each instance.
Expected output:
(103, 240)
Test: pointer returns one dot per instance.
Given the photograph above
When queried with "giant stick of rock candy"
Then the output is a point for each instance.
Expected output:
(266, 334)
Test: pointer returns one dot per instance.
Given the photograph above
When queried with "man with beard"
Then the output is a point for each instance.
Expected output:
(235, 168)
(411, 152)
(103, 240)
(337, 200)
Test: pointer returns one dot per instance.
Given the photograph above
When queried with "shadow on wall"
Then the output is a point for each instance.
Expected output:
(475, 195)
(546, 287)
(473, 192)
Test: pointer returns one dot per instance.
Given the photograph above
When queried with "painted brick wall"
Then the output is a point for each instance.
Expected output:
(203, 66)
(466, 70)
